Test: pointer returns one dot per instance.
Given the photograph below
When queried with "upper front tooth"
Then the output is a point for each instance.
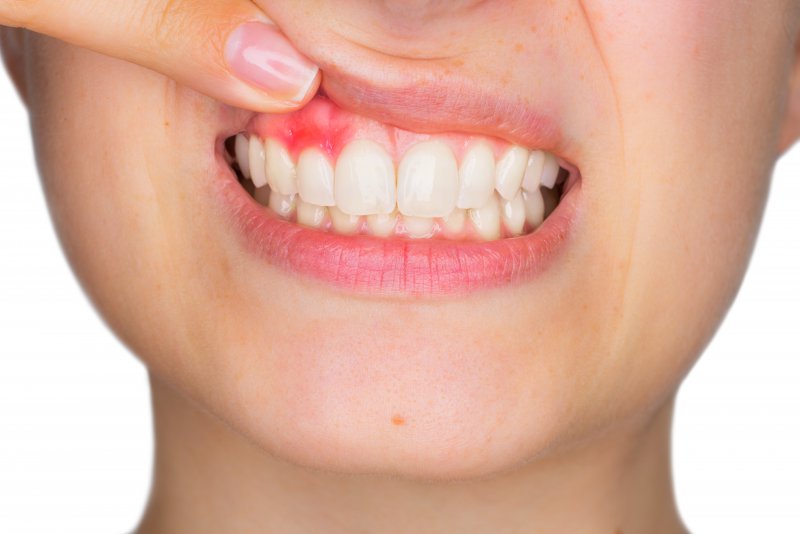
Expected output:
(476, 176)
(315, 178)
(281, 172)
(427, 180)
(365, 183)
(550, 171)
(510, 170)
(255, 157)
(242, 149)
(533, 172)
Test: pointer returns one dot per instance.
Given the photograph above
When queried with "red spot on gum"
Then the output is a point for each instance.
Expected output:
(324, 125)
(398, 420)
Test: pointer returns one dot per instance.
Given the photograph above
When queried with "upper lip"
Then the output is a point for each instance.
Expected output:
(434, 95)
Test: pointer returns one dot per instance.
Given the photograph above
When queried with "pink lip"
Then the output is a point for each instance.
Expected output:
(396, 267)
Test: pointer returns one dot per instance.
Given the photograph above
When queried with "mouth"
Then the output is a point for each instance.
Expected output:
(374, 209)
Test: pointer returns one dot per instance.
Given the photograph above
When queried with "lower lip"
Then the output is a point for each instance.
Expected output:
(375, 266)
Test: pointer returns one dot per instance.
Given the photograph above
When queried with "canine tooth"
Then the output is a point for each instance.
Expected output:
(242, 151)
(255, 158)
(310, 214)
(486, 219)
(454, 221)
(510, 170)
(262, 195)
(315, 177)
(550, 171)
(281, 172)
(476, 176)
(342, 222)
(382, 224)
(418, 227)
(534, 207)
(514, 214)
(427, 180)
(365, 183)
(533, 171)
(283, 205)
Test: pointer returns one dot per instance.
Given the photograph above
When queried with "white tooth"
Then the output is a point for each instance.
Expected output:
(550, 171)
(382, 224)
(242, 150)
(281, 172)
(255, 158)
(365, 183)
(486, 219)
(476, 176)
(262, 195)
(534, 207)
(427, 180)
(315, 177)
(310, 214)
(510, 170)
(342, 222)
(533, 171)
(283, 205)
(454, 221)
(418, 227)
(514, 214)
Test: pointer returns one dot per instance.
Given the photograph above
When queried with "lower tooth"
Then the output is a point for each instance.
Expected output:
(486, 219)
(283, 205)
(418, 227)
(534, 207)
(454, 222)
(342, 222)
(310, 214)
(382, 224)
(514, 214)
(261, 195)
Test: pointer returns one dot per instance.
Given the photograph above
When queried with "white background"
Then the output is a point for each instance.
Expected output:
(75, 436)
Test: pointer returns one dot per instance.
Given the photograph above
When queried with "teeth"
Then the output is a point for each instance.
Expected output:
(241, 150)
(418, 227)
(342, 222)
(454, 221)
(486, 219)
(427, 180)
(534, 207)
(514, 214)
(365, 183)
(550, 171)
(315, 178)
(510, 170)
(382, 224)
(533, 171)
(283, 205)
(281, 172)
(310, 214)
(476, 176)
(255, 158)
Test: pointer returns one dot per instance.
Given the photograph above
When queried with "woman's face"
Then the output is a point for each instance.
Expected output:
(670, 112)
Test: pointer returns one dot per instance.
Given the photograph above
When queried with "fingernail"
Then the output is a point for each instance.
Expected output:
(260, 54)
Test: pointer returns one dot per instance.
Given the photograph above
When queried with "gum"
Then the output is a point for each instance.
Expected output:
(324, 125)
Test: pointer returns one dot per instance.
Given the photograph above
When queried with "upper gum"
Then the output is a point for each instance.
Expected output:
(322, 124)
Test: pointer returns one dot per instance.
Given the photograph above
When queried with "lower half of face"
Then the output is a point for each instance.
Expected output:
(439, 272)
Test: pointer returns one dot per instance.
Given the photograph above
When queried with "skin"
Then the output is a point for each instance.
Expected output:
(545, 407)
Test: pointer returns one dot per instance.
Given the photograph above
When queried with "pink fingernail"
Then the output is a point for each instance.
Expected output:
(261, 55)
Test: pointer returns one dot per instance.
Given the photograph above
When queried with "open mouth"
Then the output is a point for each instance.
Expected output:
(373, 207)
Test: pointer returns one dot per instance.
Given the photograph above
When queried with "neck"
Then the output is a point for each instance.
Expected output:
(209, 478)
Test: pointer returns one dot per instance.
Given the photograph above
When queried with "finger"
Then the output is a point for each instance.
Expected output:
(228, 49)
